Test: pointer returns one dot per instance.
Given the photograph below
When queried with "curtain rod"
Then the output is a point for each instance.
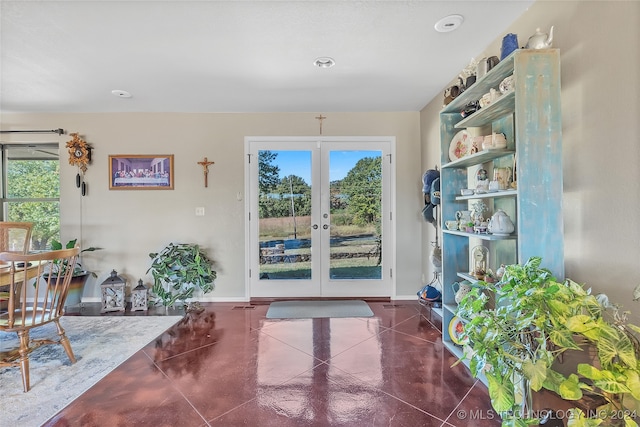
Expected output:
(58, 131)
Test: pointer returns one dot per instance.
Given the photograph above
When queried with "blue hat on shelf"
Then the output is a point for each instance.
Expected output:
(428, 178)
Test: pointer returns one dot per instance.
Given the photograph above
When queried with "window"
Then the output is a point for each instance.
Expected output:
(31, 190)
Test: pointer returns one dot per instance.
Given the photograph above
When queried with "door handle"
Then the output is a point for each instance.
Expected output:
(325, 226)
(315, 226)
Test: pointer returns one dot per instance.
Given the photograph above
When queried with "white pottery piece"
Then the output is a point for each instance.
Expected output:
(540, 40)
(500, 224)
(461, 289)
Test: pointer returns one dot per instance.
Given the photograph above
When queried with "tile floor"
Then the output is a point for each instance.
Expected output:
(231, 366)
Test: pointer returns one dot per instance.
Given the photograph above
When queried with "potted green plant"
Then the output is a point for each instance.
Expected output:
(516, 345)
(178, 270)
(80, 275)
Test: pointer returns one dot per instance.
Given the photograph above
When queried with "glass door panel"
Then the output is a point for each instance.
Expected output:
(319, 217)
(284, 214)
(355, 206)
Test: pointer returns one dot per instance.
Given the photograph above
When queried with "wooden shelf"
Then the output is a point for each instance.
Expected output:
(490, 80)
(450, 307)
(499, 108)
(505, 193)
(467, 276)
(453, 348)
(481, 236)
(437, 310)
(478, 158)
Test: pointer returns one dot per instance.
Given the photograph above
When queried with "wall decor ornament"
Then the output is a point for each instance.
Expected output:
(80, 156)
(205, 169)
(141, 172)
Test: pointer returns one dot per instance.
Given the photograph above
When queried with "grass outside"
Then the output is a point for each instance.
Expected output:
(285, 228)
(350, 267)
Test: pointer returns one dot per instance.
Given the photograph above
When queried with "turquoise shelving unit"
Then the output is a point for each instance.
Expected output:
(530, 117)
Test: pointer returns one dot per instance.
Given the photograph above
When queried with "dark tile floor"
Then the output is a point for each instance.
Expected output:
(231, 366)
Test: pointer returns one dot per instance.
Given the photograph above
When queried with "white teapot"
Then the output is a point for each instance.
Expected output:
(500, 224)
(540, 40)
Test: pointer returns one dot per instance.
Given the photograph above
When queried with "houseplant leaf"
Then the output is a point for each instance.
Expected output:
(570, 389)
(535, 372)
(501, 393)
(177, 270)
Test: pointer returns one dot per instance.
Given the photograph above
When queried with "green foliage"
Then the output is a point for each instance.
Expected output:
(362, 186)
(277, 203)
(35, 179)
(358, 195)
(177, 270)
(537, 318)
(77, 269)
(268, 173)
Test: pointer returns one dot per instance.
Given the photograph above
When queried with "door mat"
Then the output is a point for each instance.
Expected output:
(313, 309)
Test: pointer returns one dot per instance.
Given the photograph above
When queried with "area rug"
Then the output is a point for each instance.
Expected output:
(312, 309)
(100, 344)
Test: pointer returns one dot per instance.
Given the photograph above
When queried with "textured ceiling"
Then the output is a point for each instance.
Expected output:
(237, 56)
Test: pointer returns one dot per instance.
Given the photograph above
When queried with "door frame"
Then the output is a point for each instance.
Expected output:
(389, 242)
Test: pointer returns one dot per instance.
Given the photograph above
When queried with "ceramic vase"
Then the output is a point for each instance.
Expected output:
(509, 44)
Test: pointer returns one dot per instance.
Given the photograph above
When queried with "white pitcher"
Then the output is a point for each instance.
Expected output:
(463, 217)
(461, 290)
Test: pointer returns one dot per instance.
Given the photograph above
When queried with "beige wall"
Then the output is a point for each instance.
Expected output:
(601, 147)
(600, 75)
(131, 224)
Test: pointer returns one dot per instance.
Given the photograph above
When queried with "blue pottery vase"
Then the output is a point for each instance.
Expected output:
(509, 44)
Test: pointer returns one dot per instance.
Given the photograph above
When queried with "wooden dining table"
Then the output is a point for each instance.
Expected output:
(5, 273)
(5, 280)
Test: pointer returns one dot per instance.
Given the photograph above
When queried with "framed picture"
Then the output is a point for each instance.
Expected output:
(141, 172)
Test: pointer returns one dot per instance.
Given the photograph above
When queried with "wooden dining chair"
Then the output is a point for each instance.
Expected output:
(47, 306)
(14, 237)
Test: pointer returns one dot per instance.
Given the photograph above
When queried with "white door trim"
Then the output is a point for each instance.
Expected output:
(389, 242)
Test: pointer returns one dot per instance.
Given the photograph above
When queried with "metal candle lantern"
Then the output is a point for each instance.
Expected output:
(139, 297)
(113, 293)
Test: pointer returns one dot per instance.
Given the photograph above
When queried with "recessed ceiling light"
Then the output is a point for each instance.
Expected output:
(121, 93)
(449, 23)
(324, 62)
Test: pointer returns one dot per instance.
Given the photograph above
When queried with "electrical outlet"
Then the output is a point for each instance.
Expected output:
(200, 211)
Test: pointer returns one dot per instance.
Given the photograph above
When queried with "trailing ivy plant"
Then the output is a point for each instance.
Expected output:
(535, 319)
(178, 270)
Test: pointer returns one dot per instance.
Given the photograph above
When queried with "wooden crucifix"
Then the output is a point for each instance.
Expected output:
(205, 166)
(321, 118)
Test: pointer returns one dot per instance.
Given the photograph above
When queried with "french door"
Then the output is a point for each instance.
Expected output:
(319, 216)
